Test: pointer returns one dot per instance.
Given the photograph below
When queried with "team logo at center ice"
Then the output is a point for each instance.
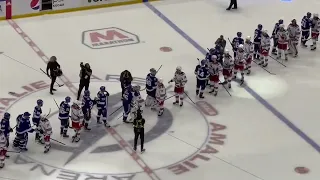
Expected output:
(108, 37)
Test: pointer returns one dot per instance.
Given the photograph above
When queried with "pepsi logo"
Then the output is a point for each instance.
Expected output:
(35, 4)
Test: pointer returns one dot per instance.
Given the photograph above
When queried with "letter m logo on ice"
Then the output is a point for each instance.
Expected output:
(108, 37)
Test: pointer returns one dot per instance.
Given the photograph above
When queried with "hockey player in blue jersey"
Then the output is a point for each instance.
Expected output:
(88, 104)
(127, 98)
(6, 128)
(274, 36)
(36, 119)
(22, 130)
(64, 114)
(151, 86)
(102, 105)
(236, 42)
(257, 41)
(306, 24)
(202, 75)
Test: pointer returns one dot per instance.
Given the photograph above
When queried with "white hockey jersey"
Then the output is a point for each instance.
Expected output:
(240, 58)
(227, 62)
(315, 26)
(45, 126)
(265, 42)
(3, 142)
(283, 36)
(294, 32)
(214, 68)
(161, 92)
(76, 113)
(179, 79)
(248, 49)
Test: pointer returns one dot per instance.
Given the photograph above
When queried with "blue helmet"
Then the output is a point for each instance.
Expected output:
(67, 99)
(280, 21)
(260, 26)
(40, 102)
(26, 114)
(309, 15)
(87, 93)
(102, 88)
(7, 115)
(239, 34)
(203, 62)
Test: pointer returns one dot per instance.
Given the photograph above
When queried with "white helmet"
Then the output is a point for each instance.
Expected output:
(316, 15)
(265, 31)
(160, 81)
(240, 46)
(214, 57)
(248, 38)
(281, 26)
(179, 68)
(79, 103)
(226, 51)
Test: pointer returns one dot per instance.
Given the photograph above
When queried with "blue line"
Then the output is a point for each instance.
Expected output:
(247, 88)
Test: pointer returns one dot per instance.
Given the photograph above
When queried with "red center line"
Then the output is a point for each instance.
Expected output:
(123, 143)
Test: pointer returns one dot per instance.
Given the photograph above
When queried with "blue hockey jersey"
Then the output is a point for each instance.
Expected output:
(102, 99)
(201, 72)
(127, 95)
(36, 115)
(5, 126)
(23, 125)
(306, 24)
(151, 82)
(236, 42)
(64, 110)
(87, 102)
(257, 36)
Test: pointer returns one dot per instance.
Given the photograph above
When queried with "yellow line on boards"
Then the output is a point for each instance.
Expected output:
(76, 9)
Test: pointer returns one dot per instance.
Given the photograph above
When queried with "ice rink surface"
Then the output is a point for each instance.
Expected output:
(267, 129)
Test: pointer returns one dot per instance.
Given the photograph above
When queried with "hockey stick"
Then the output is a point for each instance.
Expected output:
(60, 85)
(56, 103)
(14, 151)
(189, 98)
(263, 68)
(58, 141)
(277, 61)
(225, 88)
(156, 73)
(115, 111)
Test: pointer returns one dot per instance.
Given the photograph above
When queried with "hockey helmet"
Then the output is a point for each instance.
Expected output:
(316, 15)
(260, 26)
(78, 103)
(214, 57)
(309, 15)
(248, 38)
(103, 88)
(203, 62)
(53, 58)
(265, 31)
(239, 34)
(26, 114)
(160, 81)
(226, 51)
(281, 26)
(280, 21)
(294, 21)
(153, 71)
(39, 102)
(240, 46)
(87, 93)
(179, 68)
(6, 115)
(67, 99)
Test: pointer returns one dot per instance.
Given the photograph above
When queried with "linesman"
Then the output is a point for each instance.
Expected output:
(85, 76)
(125, 79)
(55, 71)
(138, 128)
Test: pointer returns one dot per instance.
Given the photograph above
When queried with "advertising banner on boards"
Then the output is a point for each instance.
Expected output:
(20, 7)
(65, 4)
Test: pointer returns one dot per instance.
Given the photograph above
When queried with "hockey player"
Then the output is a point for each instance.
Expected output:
(257, 41)
(248, 50)
(46, 131)
(22, 130)
(283, 39)
(151, 86)
(136, 102)
(3, 148)
(214, 70)
(315, 29)
(202, 75)
(88, 104)
(125, 79)
(127, 98)
(180, 80)
(274, 36)
(236, 42)
(306, 23)
(221, 42)
(5, 128)
(102, 105)
(77, 119)
(265, 48)
(227, 68)
(64, 113)
(294, 36)
(239, 63)
(161, 95)
(36, 119)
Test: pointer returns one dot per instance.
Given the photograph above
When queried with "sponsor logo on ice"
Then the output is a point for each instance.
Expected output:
(108, 37)
(35, 4)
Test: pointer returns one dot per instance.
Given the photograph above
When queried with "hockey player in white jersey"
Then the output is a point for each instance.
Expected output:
(214, 69)
(315, 29)
(283, 39)
(161, 95)
(265, 48)
(239, 63)
(3, 148)
(136, 103)
(248, 50)
(294, 37)
(227, 67)
(180, 80)
(45, 131)
(77, 118)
